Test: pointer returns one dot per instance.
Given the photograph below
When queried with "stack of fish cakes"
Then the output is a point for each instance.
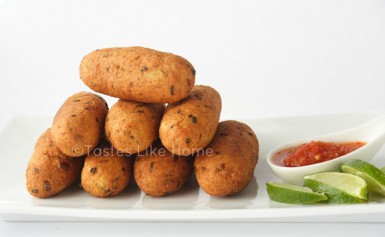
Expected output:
(161, 123)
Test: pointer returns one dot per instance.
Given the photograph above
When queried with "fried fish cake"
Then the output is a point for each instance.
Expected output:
(50, 171)
(139, 74)
(106, 172)
(158, 172)
(131, 126)
(78, 126)
(227, 165)
(190, 125)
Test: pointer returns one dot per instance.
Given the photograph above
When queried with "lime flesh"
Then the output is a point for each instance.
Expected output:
(373, 176)
(338, 187)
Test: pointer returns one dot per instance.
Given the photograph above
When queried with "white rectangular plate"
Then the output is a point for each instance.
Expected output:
(18, 138)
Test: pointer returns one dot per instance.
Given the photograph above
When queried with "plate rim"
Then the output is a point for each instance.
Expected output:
(11, 211)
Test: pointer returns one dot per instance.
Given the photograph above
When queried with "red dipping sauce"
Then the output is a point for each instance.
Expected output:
(314, 152)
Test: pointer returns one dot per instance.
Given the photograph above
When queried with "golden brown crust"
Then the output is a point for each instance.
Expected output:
(228, 167)
(139, 74)
(49, 171)
(158, 172)
(189, 125)
(106, 172)
(78, 126)
(131, 126)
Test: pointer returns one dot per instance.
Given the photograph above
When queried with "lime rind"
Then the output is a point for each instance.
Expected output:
(374, 177)
(348, 187)
(338, 187)
(292, 194)
(348, 183)
(334, 195)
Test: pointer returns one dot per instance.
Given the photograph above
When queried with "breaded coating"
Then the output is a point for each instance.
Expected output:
(131, 126)
(139, 74)
(227, 165)
(106, 172)
(159, 172)
(190, 125)
(78, 126)
(50, 171)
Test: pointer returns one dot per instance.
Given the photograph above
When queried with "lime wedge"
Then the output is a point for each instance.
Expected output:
(288, 193)
(383, 169)
(338, 187)
(373, 176)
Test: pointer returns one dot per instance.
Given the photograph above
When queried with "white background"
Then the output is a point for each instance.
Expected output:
(266, 58)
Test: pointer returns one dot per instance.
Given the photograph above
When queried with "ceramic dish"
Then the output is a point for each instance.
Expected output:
(18, 137)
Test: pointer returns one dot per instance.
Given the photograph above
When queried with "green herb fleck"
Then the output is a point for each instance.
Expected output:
(152, 166)
(172, 90)
(34, 190)
(47, 186)
(194, 119)
(93, 170)
(188, 140)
